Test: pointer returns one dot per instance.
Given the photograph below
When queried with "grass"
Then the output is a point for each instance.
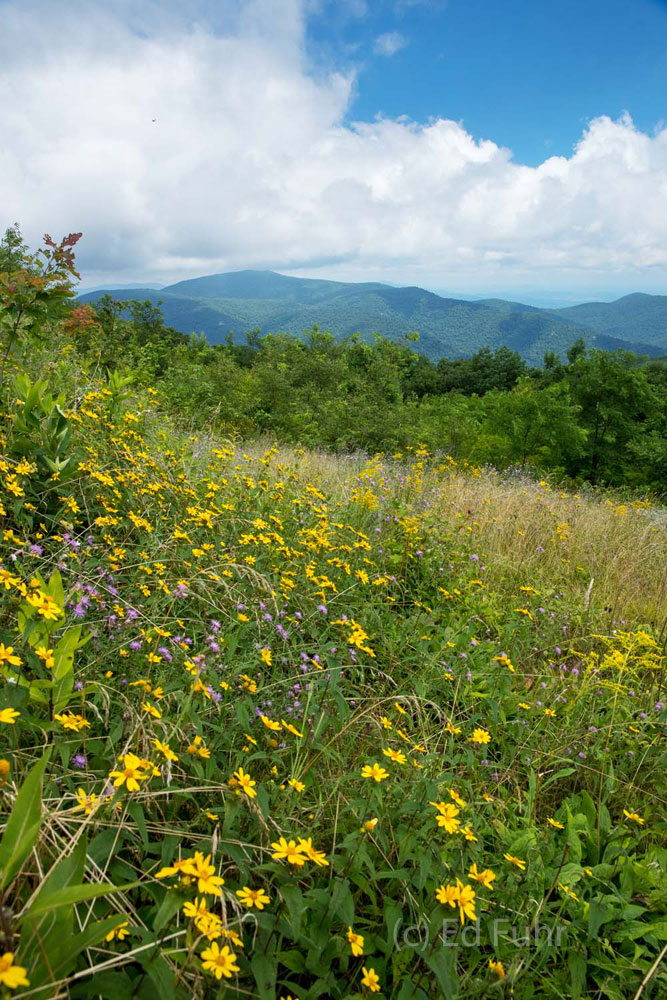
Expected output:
(525, 528)
(397, 664)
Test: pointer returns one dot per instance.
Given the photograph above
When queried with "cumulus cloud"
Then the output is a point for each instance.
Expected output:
(249, 161)
(389, 43)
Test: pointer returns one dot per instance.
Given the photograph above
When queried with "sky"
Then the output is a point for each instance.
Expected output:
(474, 147)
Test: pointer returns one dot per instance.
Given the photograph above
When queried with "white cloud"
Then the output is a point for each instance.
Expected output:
(249, 162)
(389, 43)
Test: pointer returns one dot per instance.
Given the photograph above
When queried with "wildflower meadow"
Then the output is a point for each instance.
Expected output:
(284, 724)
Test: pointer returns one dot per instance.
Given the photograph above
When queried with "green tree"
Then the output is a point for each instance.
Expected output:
(616, 401)
(530, 425)
(13, 250)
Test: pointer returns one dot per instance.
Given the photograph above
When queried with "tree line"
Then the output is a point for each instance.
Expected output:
(595, 416)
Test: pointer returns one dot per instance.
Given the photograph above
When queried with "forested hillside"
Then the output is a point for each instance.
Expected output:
(632, 316)
(599, 417)
(241, 301)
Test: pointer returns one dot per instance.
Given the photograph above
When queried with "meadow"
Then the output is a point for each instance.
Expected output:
(279, 723)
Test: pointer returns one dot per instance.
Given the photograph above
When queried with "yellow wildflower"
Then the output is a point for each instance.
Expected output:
(253, 897)
(12, 975)
(131, 774)
(370, 980)
(220, 961)
(374, 771)
(356, 942)
(246, 782)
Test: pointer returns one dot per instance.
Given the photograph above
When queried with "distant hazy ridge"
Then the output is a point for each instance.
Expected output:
(240, 301)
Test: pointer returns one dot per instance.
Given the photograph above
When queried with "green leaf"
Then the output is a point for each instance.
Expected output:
(293, 960)
(572, 837)
(24, 823)
(74, 894)
(605, 822)
(409, 991)
(598, 914)
(110, 984)
(137, 814)
(342, 904)
(56, 953)
(263, 801)
(264, 970)
(563, 773)
(55, 588)
(295, 904)
(658, 930)
(160, 975)
(441, 963)
(63, 667)
(168, 908)
(577, 965)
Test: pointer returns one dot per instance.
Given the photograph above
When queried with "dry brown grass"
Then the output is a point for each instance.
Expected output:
(525, 532)
(621, 548)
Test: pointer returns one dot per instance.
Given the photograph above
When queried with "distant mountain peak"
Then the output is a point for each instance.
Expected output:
(240, 301)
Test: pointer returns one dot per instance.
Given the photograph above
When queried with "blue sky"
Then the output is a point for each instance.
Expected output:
(474, 147)
(528, 74)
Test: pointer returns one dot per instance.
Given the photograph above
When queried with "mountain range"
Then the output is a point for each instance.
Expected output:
(240, 301)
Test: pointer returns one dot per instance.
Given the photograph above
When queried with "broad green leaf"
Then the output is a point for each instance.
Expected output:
(112, 984)
(63, 667)
(598, 914)
(263, 966)
(577, 965)
(24, 823)
(295, 904)
(55, 588)
(74, 894)
(137, 814)
(409, 991)
(342, 904)
(563, 773)
(39, 934)
(167, 909)
(160, 975)
(442, 965)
